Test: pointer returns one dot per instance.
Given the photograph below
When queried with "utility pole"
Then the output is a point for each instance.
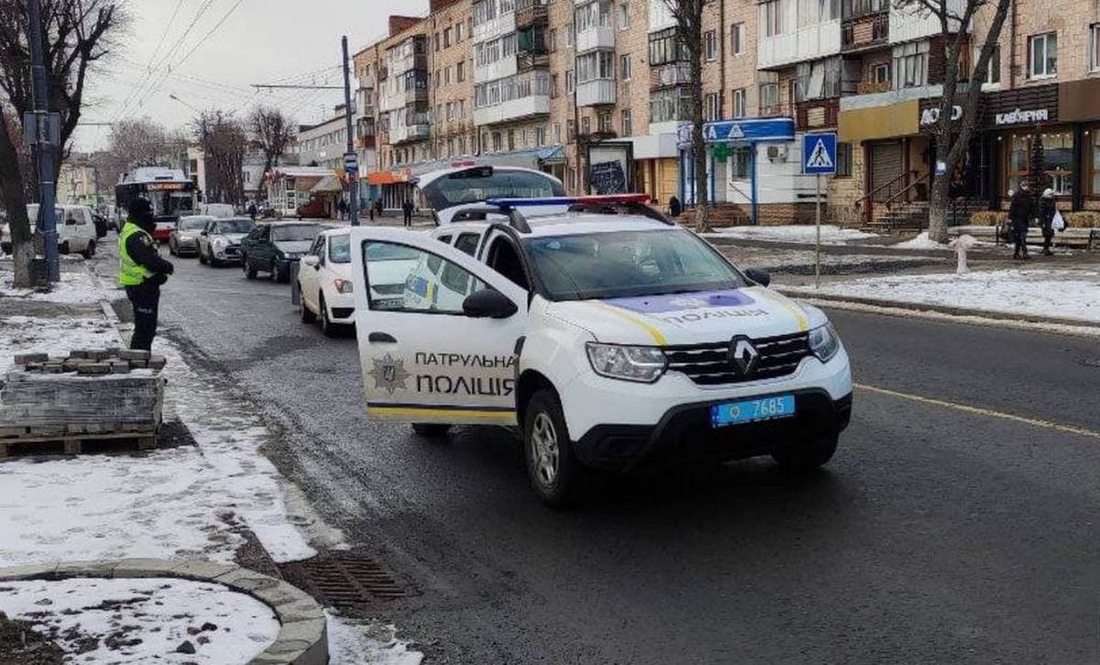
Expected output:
(45, 142)
(351, 157)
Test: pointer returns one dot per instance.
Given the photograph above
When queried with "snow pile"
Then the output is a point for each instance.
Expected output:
(922, 241)
(358, 643)
(1065, 294)
(75, 288)
(57, 336)
(830, 234)
(144, 621)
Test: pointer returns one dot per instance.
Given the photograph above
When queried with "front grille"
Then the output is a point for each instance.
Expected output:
(709, 365)
(233, 250)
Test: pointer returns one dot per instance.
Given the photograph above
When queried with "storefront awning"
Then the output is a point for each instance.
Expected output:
(387, 177)
(880, 122)
(749, 130)
(328, 185)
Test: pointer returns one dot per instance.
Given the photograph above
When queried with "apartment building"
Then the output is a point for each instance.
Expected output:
(324, 143)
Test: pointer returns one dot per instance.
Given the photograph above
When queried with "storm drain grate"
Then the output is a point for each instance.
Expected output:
(343, 580)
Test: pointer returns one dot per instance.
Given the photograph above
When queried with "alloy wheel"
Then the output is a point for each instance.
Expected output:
(544, 449)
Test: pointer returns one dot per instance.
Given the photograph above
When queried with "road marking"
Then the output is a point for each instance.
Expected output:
(975, 410)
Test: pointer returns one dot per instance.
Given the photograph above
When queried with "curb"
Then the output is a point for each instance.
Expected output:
(948, 310)
(303, 632)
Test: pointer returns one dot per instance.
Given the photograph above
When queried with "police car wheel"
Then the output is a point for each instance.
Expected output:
(307, 316)
(555, 475)
(430, 430)
(808, 456)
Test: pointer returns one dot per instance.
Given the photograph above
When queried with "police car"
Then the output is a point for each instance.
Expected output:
(610, 337)
(446, 192)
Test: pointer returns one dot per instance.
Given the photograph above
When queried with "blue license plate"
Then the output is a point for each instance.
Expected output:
(752, 411)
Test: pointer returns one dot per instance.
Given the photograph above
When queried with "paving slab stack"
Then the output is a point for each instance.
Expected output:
(93, 391)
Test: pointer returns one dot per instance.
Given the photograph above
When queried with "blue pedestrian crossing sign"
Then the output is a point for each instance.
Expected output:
(819, 153)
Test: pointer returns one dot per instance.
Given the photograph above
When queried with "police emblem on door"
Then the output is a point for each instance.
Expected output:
(389, 374)
(743, 356)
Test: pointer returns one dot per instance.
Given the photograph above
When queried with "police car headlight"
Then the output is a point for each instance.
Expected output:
(642, 364)
(824, 342)
(343, 286)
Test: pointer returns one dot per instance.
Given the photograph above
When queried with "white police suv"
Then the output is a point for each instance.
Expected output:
(609, 336)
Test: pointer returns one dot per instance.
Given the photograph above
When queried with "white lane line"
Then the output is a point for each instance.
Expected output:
(978, 411)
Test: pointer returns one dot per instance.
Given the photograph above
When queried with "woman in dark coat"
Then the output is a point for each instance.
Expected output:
(1047, 208)
(1020, 213)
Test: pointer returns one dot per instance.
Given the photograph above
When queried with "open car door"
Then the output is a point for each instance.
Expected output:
(437, 330)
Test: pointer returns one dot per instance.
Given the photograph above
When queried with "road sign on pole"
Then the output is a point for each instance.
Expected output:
(818, 159)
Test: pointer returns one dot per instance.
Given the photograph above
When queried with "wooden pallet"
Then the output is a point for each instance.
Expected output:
(38, 440)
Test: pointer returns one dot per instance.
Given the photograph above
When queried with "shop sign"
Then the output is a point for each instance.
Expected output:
(1017, 117)
(748, 130)
(931, 115)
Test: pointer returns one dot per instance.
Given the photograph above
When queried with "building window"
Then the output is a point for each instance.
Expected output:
(447, 76)
(843, 160)
(710, 45)
(595, 65)
(592, 15)
(665, 48)
(606, 125)
(711, 106)
(570, 130)
(739, 105)
(624, 16)
(437, 42)
(911, 65)
(553, 39)
(880, 73)
(1043, 59)
(458, 33)
(741, 163)
(1094, 47)
(586, 126)
(1057, 159)
(540, 136)
(625, 68)
(569, 35)
(569, 83)
(771, 15)
(737, 38)
(628, 123)
(553, 86)
(557, 133)
(447, 38)
(1095, 161)
(460, 72)
(993, 74)
(769, 98)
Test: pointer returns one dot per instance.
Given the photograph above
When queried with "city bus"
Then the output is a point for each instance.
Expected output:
(171, 193)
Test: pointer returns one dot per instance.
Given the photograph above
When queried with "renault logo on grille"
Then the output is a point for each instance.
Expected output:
(743, 356)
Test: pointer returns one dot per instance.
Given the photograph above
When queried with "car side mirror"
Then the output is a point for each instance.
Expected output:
(761, 277)
(488, 304)
(204, 232)
(311, 261)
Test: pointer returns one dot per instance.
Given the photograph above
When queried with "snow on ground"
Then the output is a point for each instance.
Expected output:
(353, 642)
(830, 234)
(922, 241)
(141, 621)
(1071, 294)
(22, 334)
(76, 288)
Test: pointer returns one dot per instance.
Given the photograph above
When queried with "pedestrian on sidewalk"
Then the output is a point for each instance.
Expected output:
(141, 271)
(407, 208)
(252, 210)
(370, 208)
(1047, 209)
(1020, 213)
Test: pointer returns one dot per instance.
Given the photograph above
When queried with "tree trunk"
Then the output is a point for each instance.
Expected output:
(15, 202)
(698, 144)
(938, 205)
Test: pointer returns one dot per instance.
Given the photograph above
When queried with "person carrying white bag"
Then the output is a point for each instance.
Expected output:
(1050, 219)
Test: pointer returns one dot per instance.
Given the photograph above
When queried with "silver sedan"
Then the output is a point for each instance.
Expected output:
(184, 240)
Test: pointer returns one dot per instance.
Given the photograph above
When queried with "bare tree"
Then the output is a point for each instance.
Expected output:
(961, 87)
(273, 132)
(224, 143)
(77, 33)
(688, 15)
(140, 142)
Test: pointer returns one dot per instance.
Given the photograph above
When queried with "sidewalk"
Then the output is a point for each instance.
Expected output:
(207, 493)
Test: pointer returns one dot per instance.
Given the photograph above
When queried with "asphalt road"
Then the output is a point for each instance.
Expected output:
(939, 534)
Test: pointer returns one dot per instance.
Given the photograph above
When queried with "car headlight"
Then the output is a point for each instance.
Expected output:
(824, 342)
(642, 364)
(219, 243)
(342, 286)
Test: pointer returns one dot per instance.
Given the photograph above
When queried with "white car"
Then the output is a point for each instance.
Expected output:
(76, 232)
(609, 340)
(220, 241)
(448, 191)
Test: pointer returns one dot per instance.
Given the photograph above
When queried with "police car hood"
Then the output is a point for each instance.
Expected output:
(692, 318)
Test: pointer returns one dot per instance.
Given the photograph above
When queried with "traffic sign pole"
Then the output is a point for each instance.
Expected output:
(817, 256)
(353, 203)
(819, 152)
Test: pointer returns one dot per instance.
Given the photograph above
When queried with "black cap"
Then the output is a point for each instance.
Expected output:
(141, 210)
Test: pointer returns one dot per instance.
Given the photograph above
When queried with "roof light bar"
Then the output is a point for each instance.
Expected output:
(609, 199)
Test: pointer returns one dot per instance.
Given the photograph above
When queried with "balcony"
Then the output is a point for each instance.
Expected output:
(535, 59)
(417, 130)
(596, 37)
(813, 42)
(596, 93)
(780, 110)
(366, 142)
(911, 23)
(531, 12)
(515, 109)
(873, 87)
(415, 96)
(669, 76)
(865, 33)
(498, 27)
(409, 63)
(816, 114)
(506, 66)
(366, 82)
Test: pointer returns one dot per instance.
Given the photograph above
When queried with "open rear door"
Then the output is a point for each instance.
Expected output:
(424, 358)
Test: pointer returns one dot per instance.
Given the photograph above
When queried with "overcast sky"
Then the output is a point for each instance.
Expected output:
(260, 41)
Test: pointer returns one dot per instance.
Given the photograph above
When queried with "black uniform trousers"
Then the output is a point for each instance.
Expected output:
(146, 302)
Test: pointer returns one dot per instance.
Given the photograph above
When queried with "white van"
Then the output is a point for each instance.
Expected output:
(76, 232)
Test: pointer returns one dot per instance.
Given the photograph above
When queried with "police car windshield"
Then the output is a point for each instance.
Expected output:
(483, 184)
(628, 264)
(235, 226)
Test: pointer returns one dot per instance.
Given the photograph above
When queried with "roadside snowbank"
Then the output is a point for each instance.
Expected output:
(830, 234)
(22, 334)
(140, 621)
(75, 288)
(922, 241)
(1070, 294)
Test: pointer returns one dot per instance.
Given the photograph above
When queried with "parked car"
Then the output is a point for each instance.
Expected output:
(163, 229)
(220, 241)
(184, 240)
(447, 191)
(274, 247)
(76, 229)
(314, 208)
(609, 340)
(101, 225)
(325, 282)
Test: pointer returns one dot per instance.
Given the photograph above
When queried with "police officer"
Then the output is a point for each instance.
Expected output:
(141, 271)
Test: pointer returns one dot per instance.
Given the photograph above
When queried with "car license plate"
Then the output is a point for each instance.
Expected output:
(751, 411)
